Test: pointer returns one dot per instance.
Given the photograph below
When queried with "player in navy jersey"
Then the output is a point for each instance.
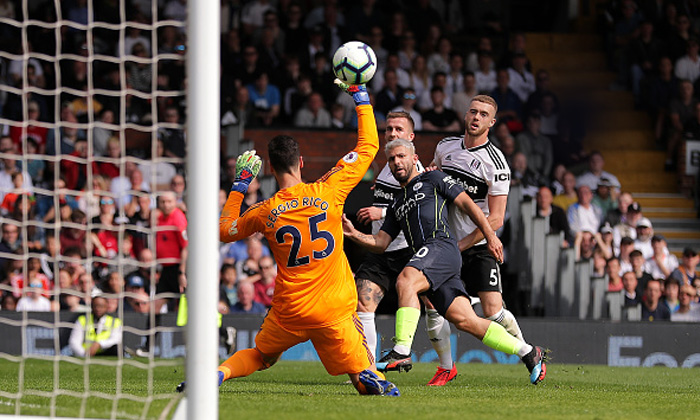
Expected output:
(419, 211)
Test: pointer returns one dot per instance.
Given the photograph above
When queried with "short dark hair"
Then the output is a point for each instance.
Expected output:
(284, 153)
(636, 253)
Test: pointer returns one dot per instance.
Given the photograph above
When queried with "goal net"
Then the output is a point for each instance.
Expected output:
(92, 152)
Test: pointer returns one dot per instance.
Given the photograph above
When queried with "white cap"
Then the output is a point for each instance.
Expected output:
(644, 222)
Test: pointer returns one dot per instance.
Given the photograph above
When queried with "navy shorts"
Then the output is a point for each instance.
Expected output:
(480, 271)
(383, 269)
(439, 260)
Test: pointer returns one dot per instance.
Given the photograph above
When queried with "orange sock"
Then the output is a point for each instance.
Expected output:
(242, 363)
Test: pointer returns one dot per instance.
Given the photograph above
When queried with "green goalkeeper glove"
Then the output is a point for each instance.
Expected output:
(247, 167)
(358, 92)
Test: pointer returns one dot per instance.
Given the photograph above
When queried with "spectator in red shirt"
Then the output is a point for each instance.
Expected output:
(265, 287)
(171, 247)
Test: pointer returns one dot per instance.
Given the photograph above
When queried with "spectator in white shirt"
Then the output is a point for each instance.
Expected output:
(688, 66)
(584, 216)
(521, 81)
(662, 263)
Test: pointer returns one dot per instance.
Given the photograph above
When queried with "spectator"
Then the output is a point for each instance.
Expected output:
(171, 248)
(485, 74)
(375, 41)
(680, 113)
(136, 298)
(104, 236)
(265, 98)
(90, 201)
(74, 236)
(536, 147)
(686, 271)
(462, 99)
(439, 117)
(33, 301)
(556, 215)
(483, 45)
(644, 52)
(297, 96)
(9, 161)
(522, 82)
(96, 333)
(662, 263)
(407, 52)
(265, 286)
(662, 88)
(542, 90)
(637, 261)
(408, 104)
(112, 288)
(33, 276)
(419, 77)
(455, 74)
(174, 142)
(603, 196)
(34, 132)
(141, 218)
(313, 114)
(8, 302)
(595, 172)
(389, 96)
(616, 215)
(643, 241)
(252, 196)
(688, 66)
(68, 133)
(102, 134)
(35, 167)
(626, 247)
(585, 246)
(628, 225)
(510, 107)
(629, 283)
(652, 308)
(8, 203)
(177, 185)
(440, 59)
(122, 187)
(688, 310)
(228, 288)
(146, 274)
(612, 269)
(528, 180)
(425, 101)
(246, 301)
(584, 215)
(156, 171)
(670, 295)
(499, 136)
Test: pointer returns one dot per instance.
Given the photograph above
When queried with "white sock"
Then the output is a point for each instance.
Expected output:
(439, 334)
(524, 350)
(367, 319)
(508, 321)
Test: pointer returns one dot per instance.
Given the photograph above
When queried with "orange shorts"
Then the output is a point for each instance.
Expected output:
(342, 347)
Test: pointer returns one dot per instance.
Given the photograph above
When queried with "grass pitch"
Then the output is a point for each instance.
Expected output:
(303, 390)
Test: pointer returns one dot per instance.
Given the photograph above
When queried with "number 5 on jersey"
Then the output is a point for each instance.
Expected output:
(294, 259)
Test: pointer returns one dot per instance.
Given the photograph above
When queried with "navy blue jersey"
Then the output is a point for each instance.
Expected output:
(419, 209)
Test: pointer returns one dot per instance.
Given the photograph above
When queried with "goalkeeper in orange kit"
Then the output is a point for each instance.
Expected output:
(315, 296)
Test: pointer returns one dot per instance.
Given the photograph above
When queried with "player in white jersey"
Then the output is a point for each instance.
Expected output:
(377, 274)
(482, 170)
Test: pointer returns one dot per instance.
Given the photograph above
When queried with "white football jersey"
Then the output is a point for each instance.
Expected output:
(481, 170)
(385, 189)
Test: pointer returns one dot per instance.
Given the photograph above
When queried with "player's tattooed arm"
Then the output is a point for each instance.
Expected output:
(375, 243)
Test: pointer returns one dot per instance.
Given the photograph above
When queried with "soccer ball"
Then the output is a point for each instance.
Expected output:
(354, 63)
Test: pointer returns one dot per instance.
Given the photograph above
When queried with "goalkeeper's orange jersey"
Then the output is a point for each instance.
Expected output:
(314, 286)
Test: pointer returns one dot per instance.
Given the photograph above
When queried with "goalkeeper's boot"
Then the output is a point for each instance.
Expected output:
(183, 384)
(394, 361)
(443, 376)
(536, 364)
(377, 385)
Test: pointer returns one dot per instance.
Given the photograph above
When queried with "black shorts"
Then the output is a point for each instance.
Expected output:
(383, 269)
(480, 271)
(439, 260)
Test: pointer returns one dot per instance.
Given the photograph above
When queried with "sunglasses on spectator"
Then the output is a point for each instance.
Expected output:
(106, 201)
(409, 96)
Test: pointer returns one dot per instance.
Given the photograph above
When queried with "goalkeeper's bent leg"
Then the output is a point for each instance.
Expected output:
(508, 321)
(243, 363)
(439, 333)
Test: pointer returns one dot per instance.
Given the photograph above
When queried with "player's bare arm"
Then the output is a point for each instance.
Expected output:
(497, 211)
(468, 206)
(375, 243)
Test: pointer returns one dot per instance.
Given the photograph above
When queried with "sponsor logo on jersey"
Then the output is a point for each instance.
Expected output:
(474, 164)
(408, 205)
(233, 230)
(351, 157)
(417, 186)
(503, 176)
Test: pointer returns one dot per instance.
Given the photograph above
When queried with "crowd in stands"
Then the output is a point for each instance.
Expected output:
(653, 46)
(433, 57)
